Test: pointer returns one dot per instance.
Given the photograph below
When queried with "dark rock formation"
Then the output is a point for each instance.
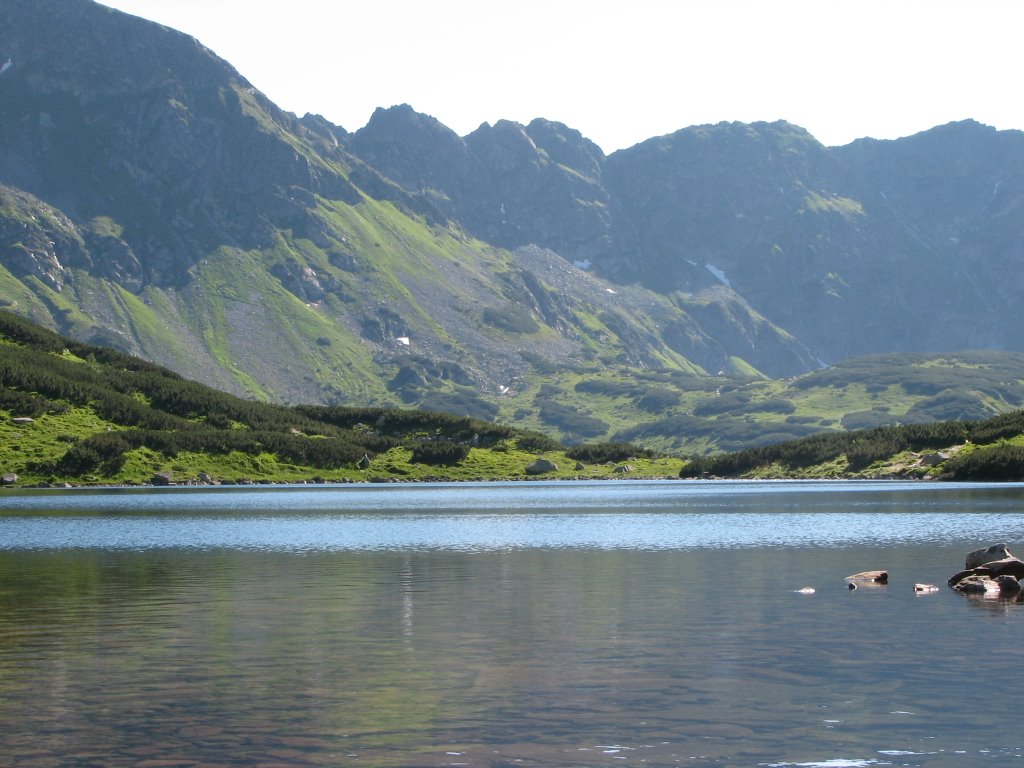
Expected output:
(988, 585)
(991, 570)
(986, 555)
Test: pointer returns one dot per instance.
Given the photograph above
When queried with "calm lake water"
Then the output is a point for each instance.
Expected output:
(506, 624)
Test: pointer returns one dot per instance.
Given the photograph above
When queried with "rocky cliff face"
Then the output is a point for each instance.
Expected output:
(852, 250)
(105, 116)
(508, 184)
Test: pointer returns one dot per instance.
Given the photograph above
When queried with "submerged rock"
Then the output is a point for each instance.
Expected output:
(870, 577)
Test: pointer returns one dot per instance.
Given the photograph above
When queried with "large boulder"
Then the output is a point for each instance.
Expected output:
(540, 467)
(986, 585)
(986, 555)
(163, 478)
(991, 570)
(1010, 567)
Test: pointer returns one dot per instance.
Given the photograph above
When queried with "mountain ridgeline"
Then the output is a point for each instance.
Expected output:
(154, 201)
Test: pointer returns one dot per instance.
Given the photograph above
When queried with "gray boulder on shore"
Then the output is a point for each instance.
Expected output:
(540, 467)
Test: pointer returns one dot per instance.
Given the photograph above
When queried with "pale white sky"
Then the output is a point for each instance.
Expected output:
(621, 71)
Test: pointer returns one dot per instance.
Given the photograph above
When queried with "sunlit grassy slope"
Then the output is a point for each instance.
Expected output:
(73, 412)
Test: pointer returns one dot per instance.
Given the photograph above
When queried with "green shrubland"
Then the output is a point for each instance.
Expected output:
(989, 449)
(74, 412)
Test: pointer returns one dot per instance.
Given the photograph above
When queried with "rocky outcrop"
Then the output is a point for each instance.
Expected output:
(986, 555)
(508, 184)
(991, 570)
(987, 585)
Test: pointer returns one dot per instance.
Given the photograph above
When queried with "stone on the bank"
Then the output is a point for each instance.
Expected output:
(540, 467)
(161, 479)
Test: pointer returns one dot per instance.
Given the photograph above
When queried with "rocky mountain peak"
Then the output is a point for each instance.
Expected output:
(108, 116)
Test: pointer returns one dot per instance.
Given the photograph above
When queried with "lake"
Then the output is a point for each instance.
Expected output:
(506, 624)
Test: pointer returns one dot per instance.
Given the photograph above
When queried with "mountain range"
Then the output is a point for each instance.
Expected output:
(152, 200)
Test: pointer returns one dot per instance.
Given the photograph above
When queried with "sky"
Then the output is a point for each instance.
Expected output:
(622, 71)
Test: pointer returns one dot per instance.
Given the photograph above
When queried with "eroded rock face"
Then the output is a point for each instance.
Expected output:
(36, 240)
(509, 184)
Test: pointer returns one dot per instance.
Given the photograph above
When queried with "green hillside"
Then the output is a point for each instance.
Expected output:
(78, 413)
(988, 449)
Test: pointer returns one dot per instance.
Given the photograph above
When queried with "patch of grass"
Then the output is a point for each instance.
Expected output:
(825, 202)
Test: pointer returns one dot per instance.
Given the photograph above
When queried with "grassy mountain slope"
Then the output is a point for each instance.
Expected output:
(88, 414)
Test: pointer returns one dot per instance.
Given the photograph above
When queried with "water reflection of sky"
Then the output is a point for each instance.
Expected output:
(494, 516)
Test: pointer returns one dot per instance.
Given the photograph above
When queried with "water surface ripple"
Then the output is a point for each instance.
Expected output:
(518, 624)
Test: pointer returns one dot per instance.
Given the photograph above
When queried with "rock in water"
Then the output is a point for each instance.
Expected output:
(976, 584)
(986, 555)
(870, 577)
